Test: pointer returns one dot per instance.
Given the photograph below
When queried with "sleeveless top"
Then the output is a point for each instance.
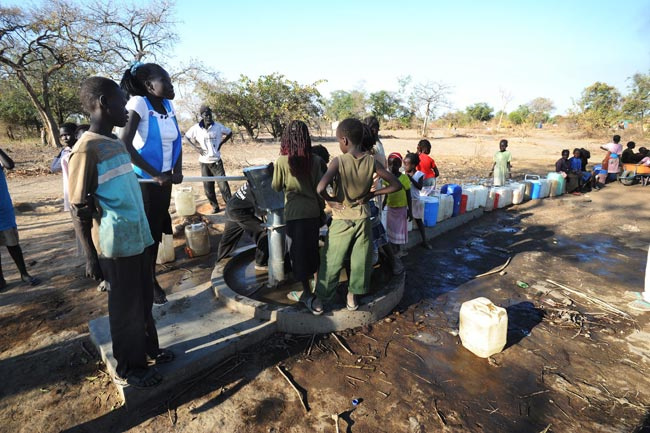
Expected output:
(352, 183)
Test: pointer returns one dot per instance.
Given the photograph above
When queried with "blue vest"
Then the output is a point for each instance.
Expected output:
(152, 149)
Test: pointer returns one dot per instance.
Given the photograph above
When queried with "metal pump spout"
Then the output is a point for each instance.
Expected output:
(260, 179)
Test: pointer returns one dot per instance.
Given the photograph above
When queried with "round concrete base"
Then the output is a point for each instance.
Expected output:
(296, 318)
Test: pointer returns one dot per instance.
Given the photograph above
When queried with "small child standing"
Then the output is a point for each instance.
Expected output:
(108, 214)
(399, 207)
(416, 178)
(67, 132)
(427, 165)
(350, 233)
(501, 167)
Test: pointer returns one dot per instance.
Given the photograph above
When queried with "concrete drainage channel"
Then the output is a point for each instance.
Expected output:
(210, 322)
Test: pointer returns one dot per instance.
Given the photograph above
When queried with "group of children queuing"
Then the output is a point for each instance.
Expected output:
(352, 185)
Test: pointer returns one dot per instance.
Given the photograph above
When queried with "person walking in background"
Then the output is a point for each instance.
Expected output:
(207, 137)
(152, 137)
(8, 227)
(501, 169)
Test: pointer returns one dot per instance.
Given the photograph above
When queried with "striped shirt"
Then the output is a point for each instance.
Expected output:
(101, 167)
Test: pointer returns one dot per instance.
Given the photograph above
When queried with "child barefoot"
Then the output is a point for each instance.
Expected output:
(350, 233)
(399, 207)
(416, 177)
(8, 228)
(106, 201)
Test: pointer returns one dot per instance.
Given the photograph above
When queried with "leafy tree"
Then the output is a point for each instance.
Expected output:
(15, 108)
(343, 104)
(385, 105)
(598, 105)
(271, 101)
(480, 111)
(540, 109)
(429, 97)
(637, 102)
(520, 116)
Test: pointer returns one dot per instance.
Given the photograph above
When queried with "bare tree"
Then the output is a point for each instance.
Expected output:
(430, 97)
(36, 43)
(136, 30)
(506, 98)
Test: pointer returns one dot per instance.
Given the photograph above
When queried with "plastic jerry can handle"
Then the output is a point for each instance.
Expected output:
(531, 177)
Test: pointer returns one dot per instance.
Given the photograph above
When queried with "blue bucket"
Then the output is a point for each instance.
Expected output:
(455, 191)
(430, 210)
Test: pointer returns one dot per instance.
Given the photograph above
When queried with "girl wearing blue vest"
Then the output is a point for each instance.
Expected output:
(152, 137)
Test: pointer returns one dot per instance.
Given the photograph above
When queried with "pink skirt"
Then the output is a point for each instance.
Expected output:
(396, 227)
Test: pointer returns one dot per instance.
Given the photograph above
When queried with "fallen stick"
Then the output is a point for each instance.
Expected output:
(355, 378)
(336, 421)
(497, 270)
(417, 375)
(311, 344)
(369, 337)
(383, 393)
(295, 388)
(593, 299)
(338, 340)
(412, 353)
(358, 367)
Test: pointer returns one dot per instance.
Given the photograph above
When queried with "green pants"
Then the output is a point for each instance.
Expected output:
(346, 238)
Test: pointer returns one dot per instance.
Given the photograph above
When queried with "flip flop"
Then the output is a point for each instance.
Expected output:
(164, 356)
(294, 295)
(310, 306)
(140, 379)
(353, 307)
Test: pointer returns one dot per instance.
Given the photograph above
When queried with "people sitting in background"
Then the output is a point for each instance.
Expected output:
(584, 157)
(645, 161)
(611, 161)
(563, 167)
(575, 166)
(628, 156)
(643, 152)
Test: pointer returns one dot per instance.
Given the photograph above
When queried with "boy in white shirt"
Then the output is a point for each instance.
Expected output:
(207, 137)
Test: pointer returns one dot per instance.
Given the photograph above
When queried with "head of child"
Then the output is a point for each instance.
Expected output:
(411, 161)
(296, 144)
(349, 134)
(395, 163)
(104, 101)
(147, 79)
(424, 146)
(373, 124)
(368, 141)
(80, 130)
(503, 145)
(577, 153)
(631, 145)
(67, 134)
(616, 139)
(643, 151)
(565, 154)
(321, 151)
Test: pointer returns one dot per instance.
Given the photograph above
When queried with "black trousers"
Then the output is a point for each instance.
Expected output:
(240, 221)
(130, 299)
(215, 169)
(302, 243)
(156, 201)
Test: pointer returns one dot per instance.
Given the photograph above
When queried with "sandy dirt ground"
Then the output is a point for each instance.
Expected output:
(569, 364)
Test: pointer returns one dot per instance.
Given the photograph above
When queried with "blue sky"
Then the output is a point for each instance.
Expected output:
(552, 49)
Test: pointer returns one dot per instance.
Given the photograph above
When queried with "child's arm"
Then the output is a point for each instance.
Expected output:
(393, 183)
(409, 203)
(437, 172)
(82, 184)
(494, 164)
(321, 188)
(6, 162)
(126, 135)
(416, 183)
(55, 167)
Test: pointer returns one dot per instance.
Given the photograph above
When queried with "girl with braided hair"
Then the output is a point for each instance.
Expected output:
(297, 172)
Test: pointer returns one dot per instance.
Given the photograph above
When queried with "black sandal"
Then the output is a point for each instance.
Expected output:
(164, 356)
(140, 379)
(309, 303)
(32, 281)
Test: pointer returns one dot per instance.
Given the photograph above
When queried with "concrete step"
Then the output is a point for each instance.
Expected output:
(201, 331)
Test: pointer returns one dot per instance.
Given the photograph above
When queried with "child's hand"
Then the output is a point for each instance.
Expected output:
(336, 205)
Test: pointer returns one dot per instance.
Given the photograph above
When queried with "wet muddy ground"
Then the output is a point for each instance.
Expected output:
(569, 364)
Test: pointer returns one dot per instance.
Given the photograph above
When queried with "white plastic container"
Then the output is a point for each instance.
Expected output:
(545, 189)
(470, 192)
(184, 200)
(445, 206)
(198, 241)
(166, 252)
(505, 196)
(483, 327)
(489, 200)
(481, 195)
(518, 192)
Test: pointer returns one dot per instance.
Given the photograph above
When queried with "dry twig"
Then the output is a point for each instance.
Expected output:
(295, 388)
(593, 299)
(496, 270)
(417, 375)
(338, 340)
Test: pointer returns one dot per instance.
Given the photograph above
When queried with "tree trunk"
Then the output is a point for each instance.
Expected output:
(426, 121)
(48, 133)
